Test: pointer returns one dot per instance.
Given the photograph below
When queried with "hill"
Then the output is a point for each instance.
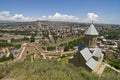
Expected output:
(49, 70)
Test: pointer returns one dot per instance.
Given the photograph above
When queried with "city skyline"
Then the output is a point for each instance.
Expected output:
(101, 11)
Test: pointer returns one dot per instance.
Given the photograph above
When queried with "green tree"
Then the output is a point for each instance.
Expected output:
(3, 59)
(25, 39)
(32, 39)
(45, 33)
(12, 40)
(67, 47)
(11, 57)
(55, 38)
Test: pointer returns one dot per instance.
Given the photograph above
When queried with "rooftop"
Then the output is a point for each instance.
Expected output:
(91, 30)
(92, 63)
(86, 54)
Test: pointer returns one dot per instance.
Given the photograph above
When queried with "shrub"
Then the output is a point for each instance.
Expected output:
(50, 48)
(4, 58)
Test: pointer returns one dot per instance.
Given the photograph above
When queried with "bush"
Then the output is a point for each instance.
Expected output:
(115, 63)
(50, 48)
(5, 44)
(66, 48)
(73, 43)
(4, 58)
(25, 39)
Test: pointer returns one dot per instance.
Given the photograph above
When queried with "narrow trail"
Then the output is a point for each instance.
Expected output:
(102, 68)
(113, 68)
(22, 49)
(20, 56)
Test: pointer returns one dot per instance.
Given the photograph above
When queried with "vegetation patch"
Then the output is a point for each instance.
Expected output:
(4, 58)
(110, 74)
(48, 70)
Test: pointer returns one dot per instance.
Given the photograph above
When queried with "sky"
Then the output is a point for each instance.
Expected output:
(100, 11)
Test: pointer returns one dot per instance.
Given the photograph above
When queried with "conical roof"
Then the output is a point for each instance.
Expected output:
(91, 30)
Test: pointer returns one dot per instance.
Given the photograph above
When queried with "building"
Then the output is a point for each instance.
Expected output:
(88, 55)
(91, 36)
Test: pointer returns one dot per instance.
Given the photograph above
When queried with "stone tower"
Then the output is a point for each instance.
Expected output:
(91, 36)
(89, 55)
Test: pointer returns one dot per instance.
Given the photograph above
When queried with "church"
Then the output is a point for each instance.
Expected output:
(88, 55)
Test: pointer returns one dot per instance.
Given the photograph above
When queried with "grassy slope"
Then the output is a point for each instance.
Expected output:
(110, 74)
(48, 70)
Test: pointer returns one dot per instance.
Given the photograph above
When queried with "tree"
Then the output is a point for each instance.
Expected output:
(12, 40)
(25, 39)
(66, 48)
(11, 57)
(55, 38)
(45, 34)
(3, 58)
(32, 39)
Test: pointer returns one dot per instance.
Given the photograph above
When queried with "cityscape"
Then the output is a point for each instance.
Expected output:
(59, 40)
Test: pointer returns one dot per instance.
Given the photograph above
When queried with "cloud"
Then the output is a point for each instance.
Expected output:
(60, 17)
(21, 17)
(5, 15)
(92, 16)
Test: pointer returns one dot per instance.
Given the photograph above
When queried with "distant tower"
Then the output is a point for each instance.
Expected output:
(91, 36)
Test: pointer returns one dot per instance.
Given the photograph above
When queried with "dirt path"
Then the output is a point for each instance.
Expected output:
(113, 68)
(103, 66)
(101, 69)
(21, 53)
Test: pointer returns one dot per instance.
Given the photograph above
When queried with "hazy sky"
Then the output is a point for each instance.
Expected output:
(101, 11)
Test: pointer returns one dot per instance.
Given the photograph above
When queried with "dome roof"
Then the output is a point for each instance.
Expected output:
(91, 30)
